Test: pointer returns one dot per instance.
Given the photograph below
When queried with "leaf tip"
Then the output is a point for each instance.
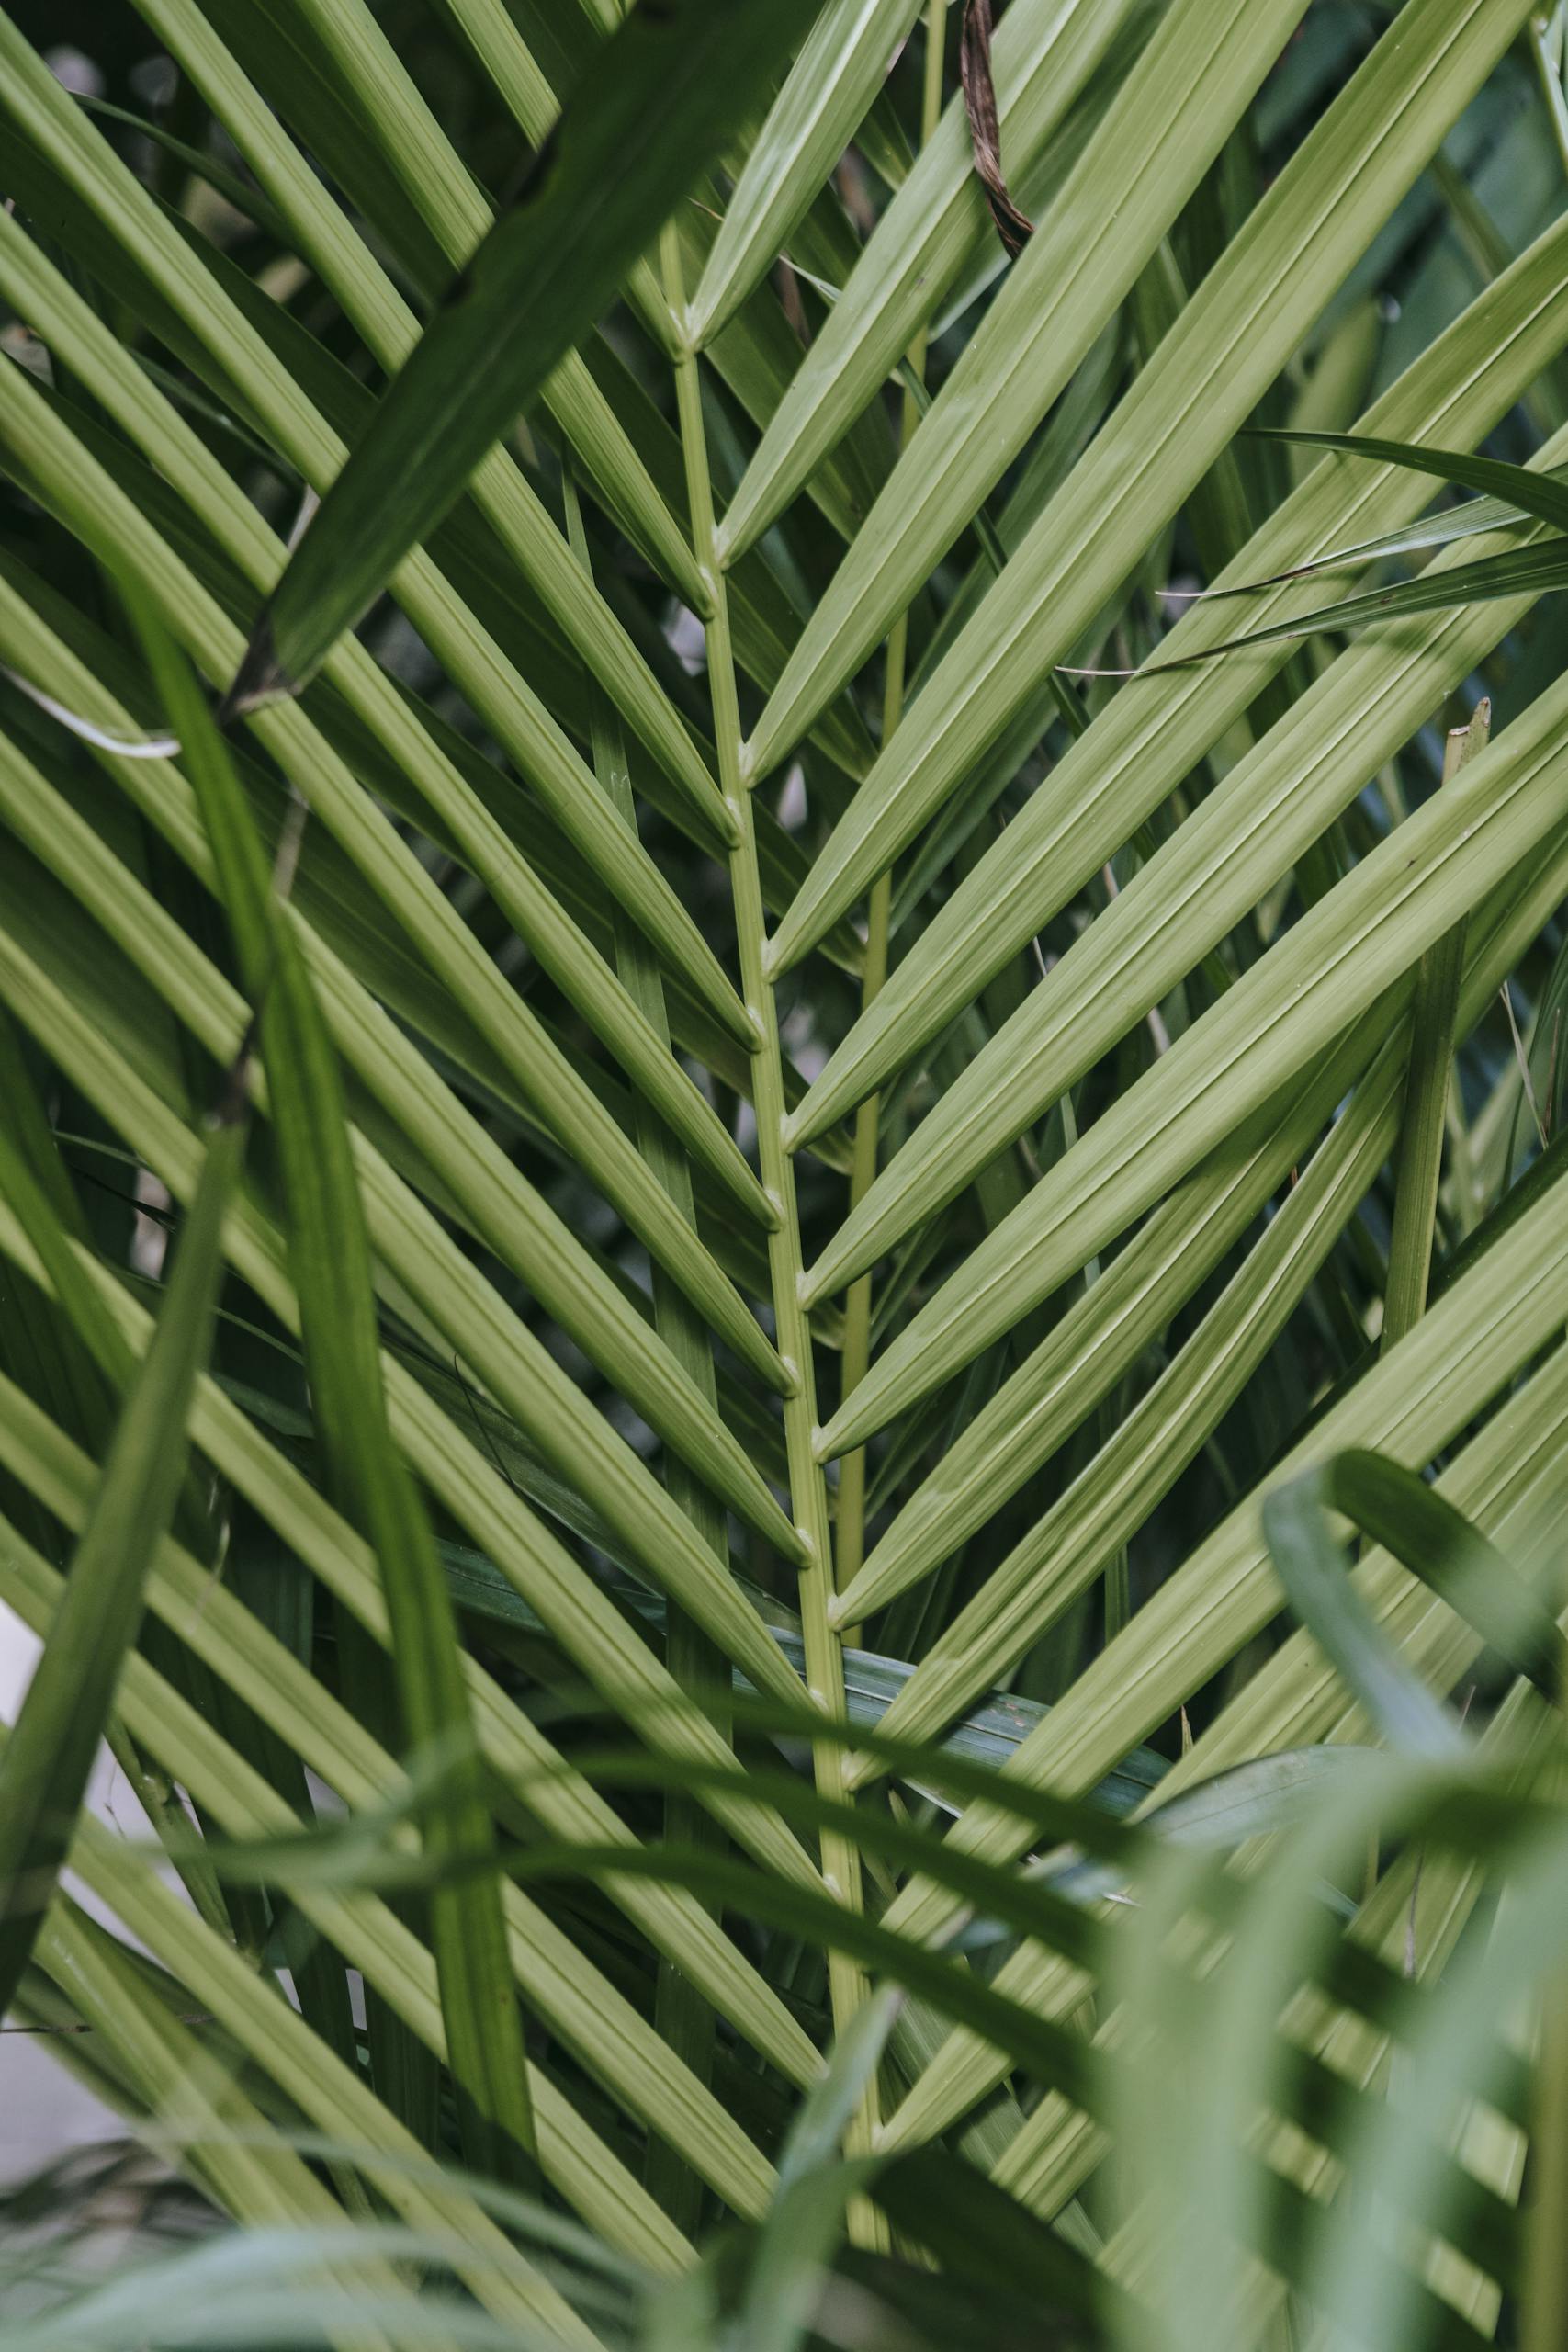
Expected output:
(260, 678)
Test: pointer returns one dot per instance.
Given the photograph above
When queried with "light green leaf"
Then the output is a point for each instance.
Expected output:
(1158, 136)
(1142, 744)
(1530, 571)
(1436, 1542)
(1531, 490)
(1312, 1563)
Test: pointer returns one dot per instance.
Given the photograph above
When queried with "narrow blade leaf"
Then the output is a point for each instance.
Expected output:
(630, 143)
(331, 1254)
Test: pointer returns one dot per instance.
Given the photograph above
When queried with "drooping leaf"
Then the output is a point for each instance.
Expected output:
(45, 1764)
(1435, 1542)
(628, 145)
(330, 1253)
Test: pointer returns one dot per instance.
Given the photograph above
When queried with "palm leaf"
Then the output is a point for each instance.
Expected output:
(649, 516)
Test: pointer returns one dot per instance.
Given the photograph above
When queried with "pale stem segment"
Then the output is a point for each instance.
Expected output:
(850, 1525)
(846, 1983)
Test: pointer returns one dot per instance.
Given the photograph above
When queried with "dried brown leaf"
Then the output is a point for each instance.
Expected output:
(1013, 227)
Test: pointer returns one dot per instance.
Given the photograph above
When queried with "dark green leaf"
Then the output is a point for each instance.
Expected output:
(329, 1254)
(1517, 571)
(666, 92)
(47, 1759)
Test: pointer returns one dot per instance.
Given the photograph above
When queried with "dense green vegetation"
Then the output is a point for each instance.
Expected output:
(782, 1221)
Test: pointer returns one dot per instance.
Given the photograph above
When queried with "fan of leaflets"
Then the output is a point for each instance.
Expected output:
(764, 1090)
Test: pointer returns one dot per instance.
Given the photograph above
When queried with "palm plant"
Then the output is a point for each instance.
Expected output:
(817, 1132)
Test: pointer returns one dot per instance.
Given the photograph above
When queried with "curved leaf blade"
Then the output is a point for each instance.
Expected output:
(329, 1246)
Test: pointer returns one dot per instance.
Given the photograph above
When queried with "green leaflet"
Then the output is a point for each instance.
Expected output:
(1439, 530)
(1312, 1565)
(1531, 490)
(1513, 494)
(238, 192)
(806, 129)
(1388, 1503)
(1524, 571)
